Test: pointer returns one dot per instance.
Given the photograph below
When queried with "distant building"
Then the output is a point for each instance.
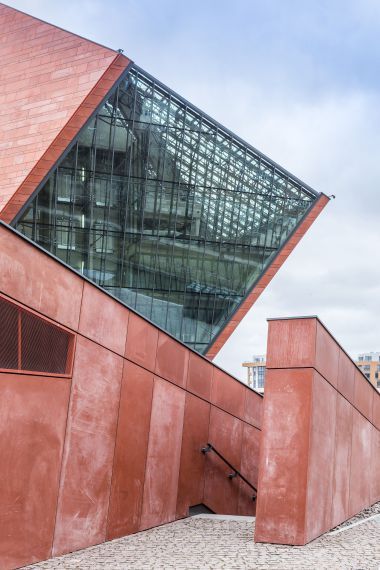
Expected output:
(256, 372)
(369, 364)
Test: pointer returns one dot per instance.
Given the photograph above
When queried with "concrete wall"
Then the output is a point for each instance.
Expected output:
(320, 453)
(114, 448)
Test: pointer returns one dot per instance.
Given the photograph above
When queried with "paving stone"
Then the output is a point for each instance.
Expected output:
(203, 542)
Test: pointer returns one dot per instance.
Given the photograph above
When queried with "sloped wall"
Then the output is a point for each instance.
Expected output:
(115, 447)
(51, 82)
(320, 453)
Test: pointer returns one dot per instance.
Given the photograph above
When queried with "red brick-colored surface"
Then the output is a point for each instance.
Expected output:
(267, 277)
(26, 276)
(199, 377)
(89, 448)
(33, 414)
(102, 320)
(220, 496)
(124, 434)
(141, 346)
(130, 451)
(320, 450)
(164, 454)
(51, 81)
(192, 468)
(283, 456)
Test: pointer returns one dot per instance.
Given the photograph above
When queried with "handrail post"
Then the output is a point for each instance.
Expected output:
(235, 473)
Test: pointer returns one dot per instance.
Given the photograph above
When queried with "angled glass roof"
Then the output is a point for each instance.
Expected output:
(163, 207)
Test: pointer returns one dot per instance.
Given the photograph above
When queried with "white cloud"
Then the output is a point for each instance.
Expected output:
(334, 272)
(312, 107)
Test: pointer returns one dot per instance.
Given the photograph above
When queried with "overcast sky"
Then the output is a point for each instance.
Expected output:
(300, 81)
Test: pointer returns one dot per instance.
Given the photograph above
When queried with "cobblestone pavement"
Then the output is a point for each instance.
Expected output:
(202, 542)
(365, 514)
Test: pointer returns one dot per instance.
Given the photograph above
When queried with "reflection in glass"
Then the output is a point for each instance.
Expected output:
(166, 210)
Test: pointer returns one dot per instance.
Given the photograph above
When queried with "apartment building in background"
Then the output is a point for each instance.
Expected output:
(256, 372)
(369, 364)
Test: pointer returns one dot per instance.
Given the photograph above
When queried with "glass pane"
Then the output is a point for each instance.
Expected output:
(166, 210)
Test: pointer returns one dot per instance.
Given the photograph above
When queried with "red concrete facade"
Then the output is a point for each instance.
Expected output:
(267, 277)
(51, 82)
(115, 447)
(320, 450)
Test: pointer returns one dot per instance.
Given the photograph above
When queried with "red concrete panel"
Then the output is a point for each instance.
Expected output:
(268, 275)
(346, 376)
(172, 360)
(227, 393)
(38, 281)
(364, 393)
(103, 319)
(360, 475)
(291, 343)
(130, 451)
(321, 458)
(221, 494)
(89, 448)
(331, 461)
(199, 376)
(192, 466)
(45, 78)
(327, 355)
(375, 466)
(249, 469)
(283, 466)
(342, 462)
(141, 345)
(253, 409)
(164, 454)
(33, 413)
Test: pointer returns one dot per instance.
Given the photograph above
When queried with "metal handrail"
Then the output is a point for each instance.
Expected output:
(209, 447)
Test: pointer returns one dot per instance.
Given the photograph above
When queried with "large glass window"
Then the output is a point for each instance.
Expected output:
(165, 209)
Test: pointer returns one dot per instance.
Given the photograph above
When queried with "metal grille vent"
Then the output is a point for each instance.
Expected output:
(29, 343)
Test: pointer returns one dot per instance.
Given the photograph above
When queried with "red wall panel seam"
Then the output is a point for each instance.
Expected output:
(61, 463)
(306, 510)
(147, 447)
(335, 388)
(146, 455)
(349, 471)
(241, 456)
(349, 478)
(183, 422)
(80, 306)
(334, 457)
(38, 314)
(208, 438)
(189, 391)
(114, 448)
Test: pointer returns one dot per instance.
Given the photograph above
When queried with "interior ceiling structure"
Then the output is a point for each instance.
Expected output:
(167, 210)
